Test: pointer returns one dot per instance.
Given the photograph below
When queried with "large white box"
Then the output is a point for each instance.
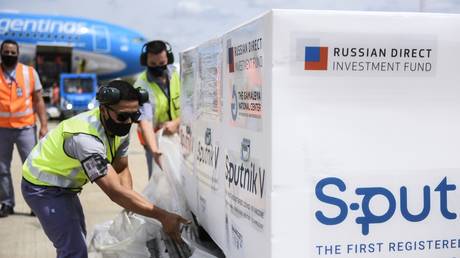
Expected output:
(326, 134)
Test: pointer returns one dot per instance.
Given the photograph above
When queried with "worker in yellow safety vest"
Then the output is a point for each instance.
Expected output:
(89, 147)
(20, 100)
(162, 82)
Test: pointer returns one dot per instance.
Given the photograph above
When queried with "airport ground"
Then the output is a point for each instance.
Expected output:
(22, 236)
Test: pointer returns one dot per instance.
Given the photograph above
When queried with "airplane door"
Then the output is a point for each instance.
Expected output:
(101, 39)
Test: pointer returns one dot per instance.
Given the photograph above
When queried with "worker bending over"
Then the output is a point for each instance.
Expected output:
(91, 146)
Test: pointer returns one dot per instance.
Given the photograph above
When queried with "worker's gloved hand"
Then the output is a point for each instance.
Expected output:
(172, 225)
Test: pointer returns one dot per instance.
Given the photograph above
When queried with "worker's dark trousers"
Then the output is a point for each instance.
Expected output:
(61, 216)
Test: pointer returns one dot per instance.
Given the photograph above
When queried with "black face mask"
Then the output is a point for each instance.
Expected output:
(9, 61)
(118, 129)
(157, 71)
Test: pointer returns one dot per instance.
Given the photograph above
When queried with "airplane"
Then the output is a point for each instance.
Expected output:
(108, 50)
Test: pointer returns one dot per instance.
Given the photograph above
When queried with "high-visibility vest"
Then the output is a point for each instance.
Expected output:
(16, 107)
(165, 109)
(49, 165)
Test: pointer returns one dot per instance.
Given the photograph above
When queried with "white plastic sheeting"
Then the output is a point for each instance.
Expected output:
(127, 235)
(164, 187)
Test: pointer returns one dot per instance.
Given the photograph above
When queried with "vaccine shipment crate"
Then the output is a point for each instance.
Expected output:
(326, 134)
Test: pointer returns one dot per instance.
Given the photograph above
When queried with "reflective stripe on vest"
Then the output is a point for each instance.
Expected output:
(16, 108)
(51, 179)
(49, 165)
(16, 114)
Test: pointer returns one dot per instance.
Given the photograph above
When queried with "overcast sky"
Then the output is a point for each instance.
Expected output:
(185, 23)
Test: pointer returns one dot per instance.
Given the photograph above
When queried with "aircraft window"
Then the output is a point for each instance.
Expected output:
(139, 40)
(13, 34)
(62, 36)
(35, 35)
(49, 36)
(27, 35)
(19, 34)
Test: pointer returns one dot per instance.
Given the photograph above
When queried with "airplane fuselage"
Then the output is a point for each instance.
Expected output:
(109, 50)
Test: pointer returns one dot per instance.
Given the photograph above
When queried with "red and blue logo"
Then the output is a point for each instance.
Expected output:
(316, 58)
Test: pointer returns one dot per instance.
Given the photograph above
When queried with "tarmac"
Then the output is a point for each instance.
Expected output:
(21, 235)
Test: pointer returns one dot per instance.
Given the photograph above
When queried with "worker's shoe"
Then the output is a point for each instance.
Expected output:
(6, 210)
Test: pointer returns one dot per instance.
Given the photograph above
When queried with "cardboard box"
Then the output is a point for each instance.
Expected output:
(326, 134)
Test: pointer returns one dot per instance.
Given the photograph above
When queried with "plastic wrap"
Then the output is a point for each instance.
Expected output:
(135, 236)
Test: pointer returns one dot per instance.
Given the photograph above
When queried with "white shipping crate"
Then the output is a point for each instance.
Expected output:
(326, 134)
